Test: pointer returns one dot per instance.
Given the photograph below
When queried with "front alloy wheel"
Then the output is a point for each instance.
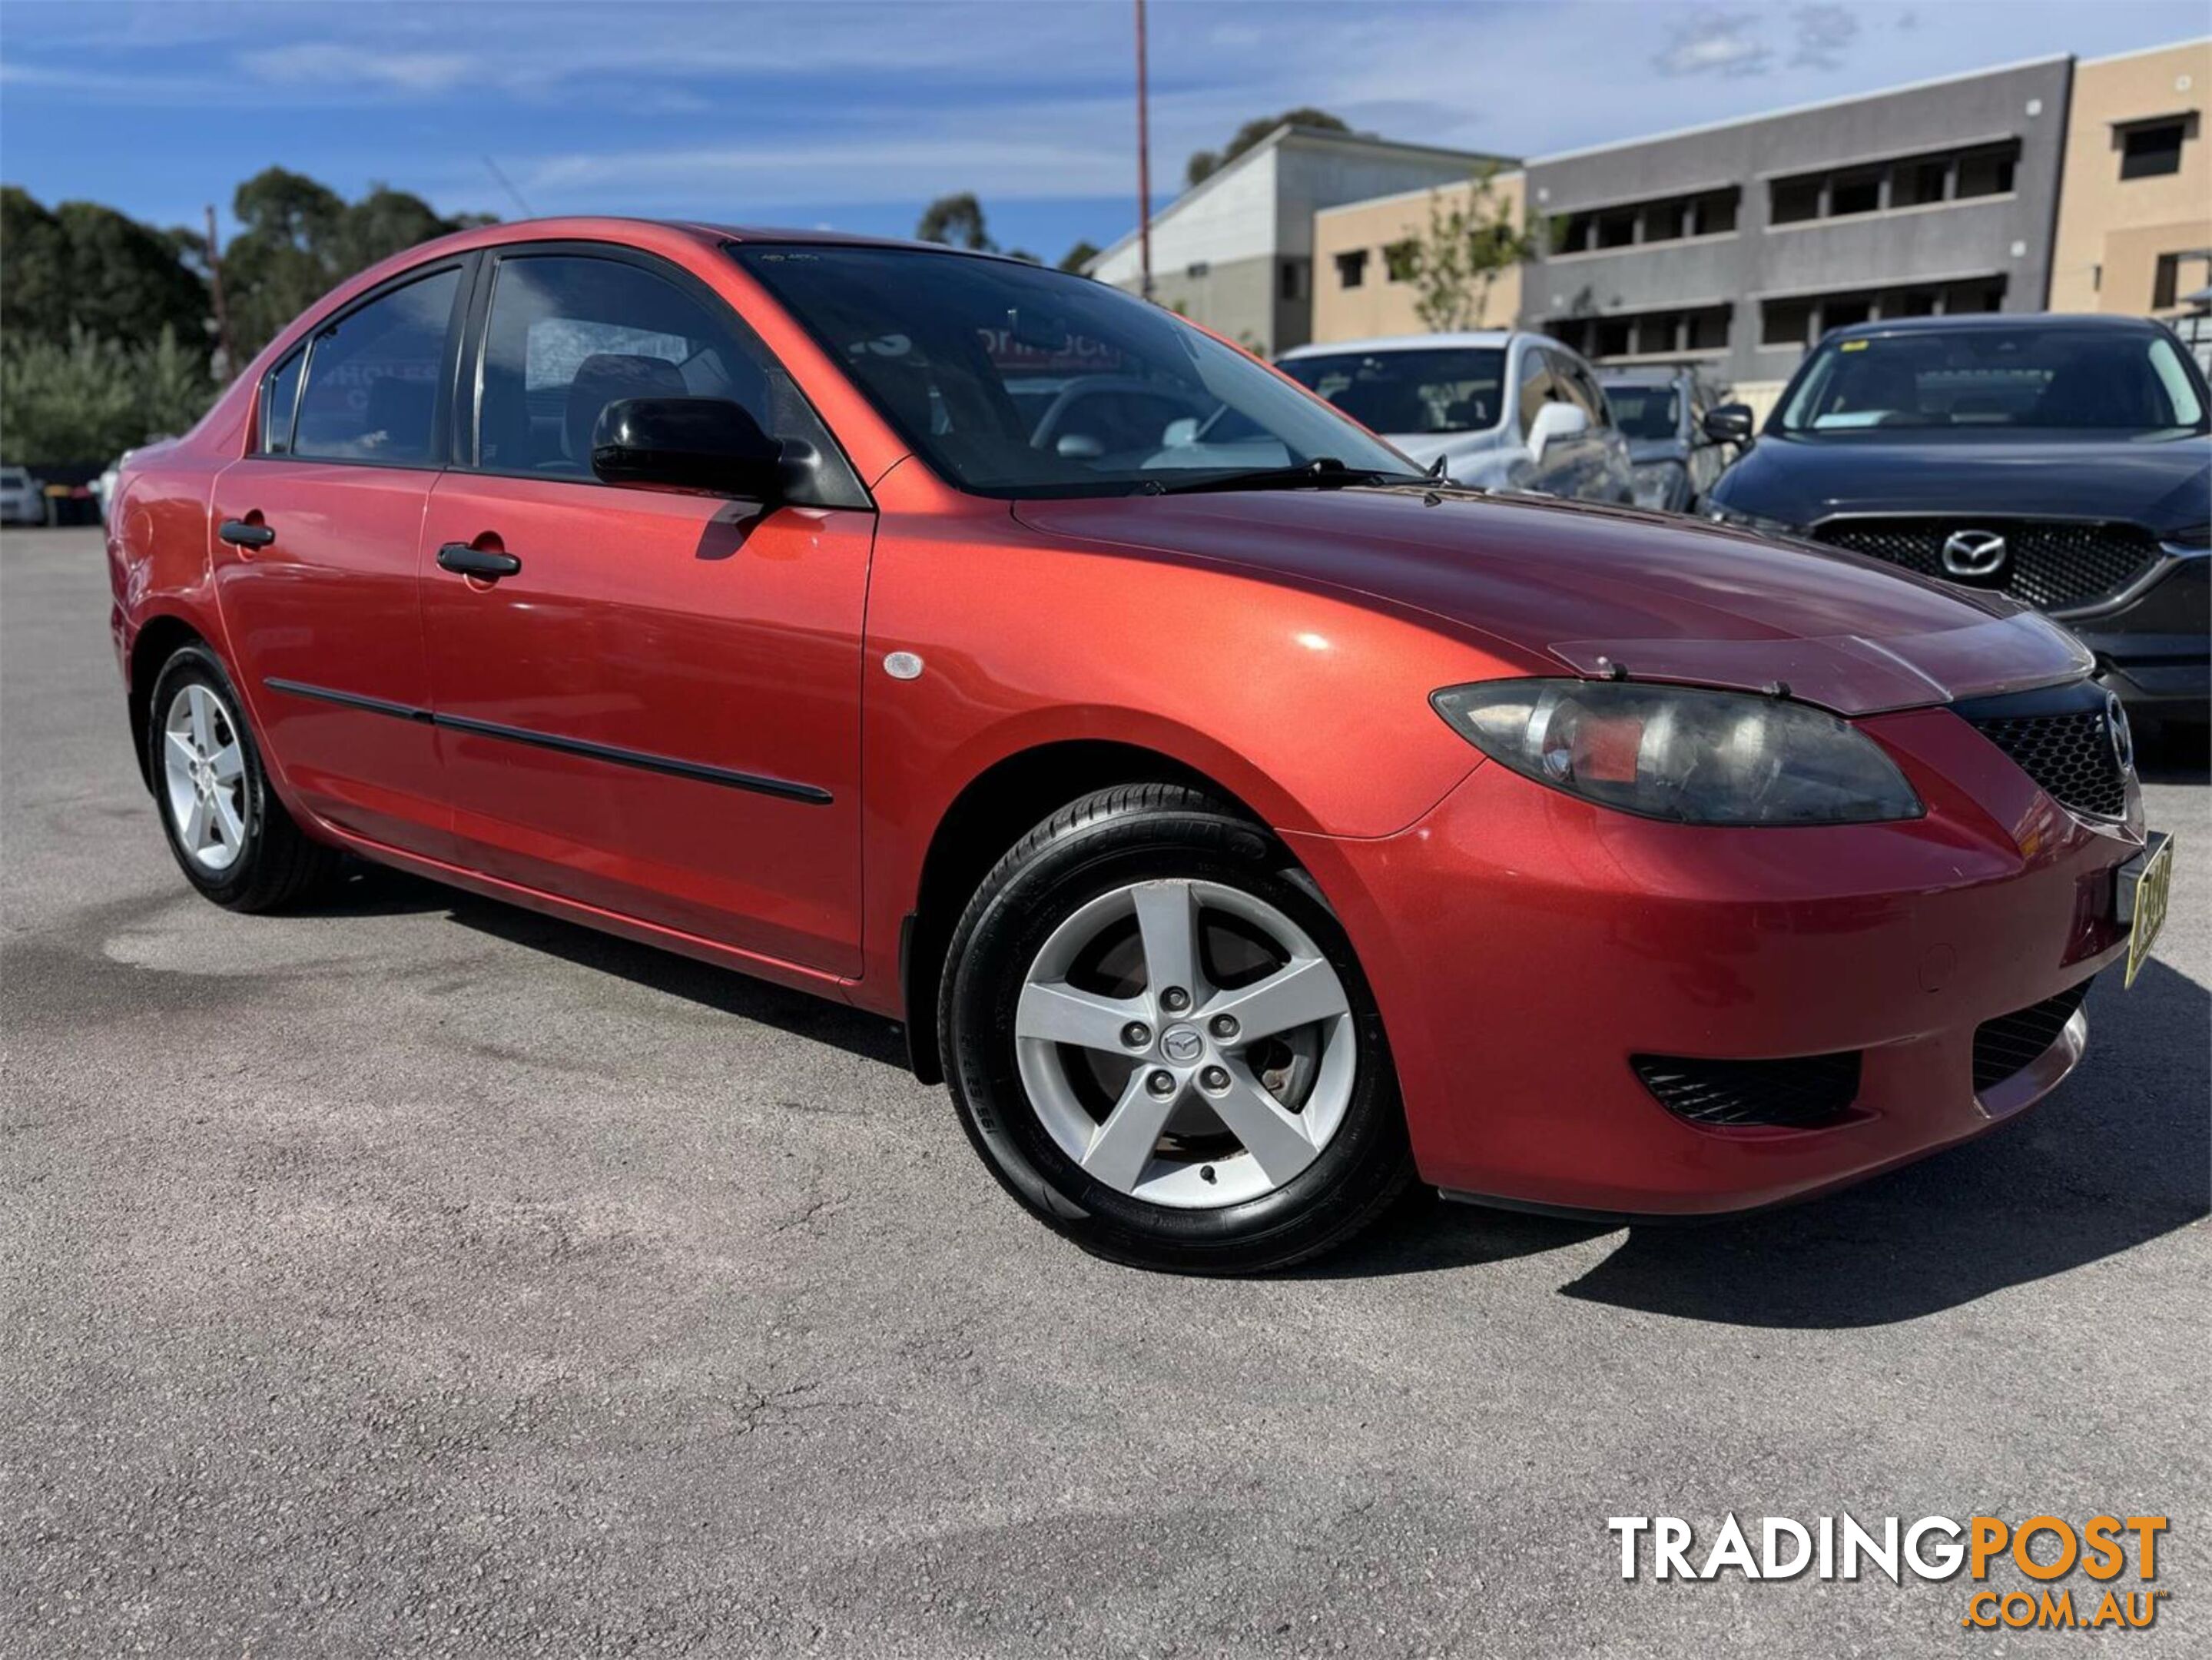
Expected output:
(1159, 1039)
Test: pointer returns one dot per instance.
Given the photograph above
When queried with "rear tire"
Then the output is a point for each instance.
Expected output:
(231, 837)
(1143, 1118)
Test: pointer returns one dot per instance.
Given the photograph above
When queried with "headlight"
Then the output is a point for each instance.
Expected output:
(1764, 526)
(1653, 482)
(1681, 753)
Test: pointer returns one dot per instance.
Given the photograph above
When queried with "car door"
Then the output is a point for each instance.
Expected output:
(316, 537)
(656, 712)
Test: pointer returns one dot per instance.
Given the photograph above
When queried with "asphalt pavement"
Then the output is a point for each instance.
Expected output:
(424, 1275)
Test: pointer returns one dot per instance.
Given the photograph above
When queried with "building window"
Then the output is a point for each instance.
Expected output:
(1786, 323)
(1917, 183)
(1402, 260)
(2154, 149)
(1796, 200)
(1351, 268)
(1291, 285)
(1845, 310)
(1616, 230)
(1854, 193)
(1987, 173)
(1644, 334)
(1197, 268)
(1713, 214)
(1663, 219)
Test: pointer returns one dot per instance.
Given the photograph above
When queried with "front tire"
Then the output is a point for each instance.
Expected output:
(231, 837)
(1158, 1038)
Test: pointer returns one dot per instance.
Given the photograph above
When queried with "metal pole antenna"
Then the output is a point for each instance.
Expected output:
(1144, 167)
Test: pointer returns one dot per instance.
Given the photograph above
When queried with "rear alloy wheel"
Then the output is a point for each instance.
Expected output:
(1162, 1042)
(231, 837)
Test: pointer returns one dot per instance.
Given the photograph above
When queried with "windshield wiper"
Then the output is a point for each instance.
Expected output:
(1322, 472)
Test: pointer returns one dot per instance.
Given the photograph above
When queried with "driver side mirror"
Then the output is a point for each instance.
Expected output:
(1555, 422)
(1729, 423)
(710, 444)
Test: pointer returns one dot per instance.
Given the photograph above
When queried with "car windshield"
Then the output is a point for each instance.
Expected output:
(1012, 380)
(1429, 390)
(2102, 380)
(13, 478)
(1641, 409)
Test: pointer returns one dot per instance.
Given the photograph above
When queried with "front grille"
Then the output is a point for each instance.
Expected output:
(2011, 1042)
(1811, 1089)
(2050, 563)
(2070, 755)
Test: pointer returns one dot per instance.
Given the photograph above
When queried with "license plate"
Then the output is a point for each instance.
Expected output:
(2144, 882)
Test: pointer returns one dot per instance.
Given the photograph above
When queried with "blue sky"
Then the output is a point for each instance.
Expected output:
(854, 115)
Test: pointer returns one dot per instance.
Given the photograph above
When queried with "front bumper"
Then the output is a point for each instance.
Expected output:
(2154, 644)
(1523, 945)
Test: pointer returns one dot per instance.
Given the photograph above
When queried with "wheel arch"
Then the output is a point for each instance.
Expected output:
(158, 638)
(994, 810)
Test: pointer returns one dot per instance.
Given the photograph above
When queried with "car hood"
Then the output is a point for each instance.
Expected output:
(1598, 590)
(2160, 484)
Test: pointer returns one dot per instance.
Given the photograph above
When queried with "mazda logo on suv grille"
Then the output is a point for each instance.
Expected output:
(2116, 728)
(1974, 552)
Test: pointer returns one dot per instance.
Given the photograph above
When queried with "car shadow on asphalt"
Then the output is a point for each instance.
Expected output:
(2120, 1156)
(376, 891)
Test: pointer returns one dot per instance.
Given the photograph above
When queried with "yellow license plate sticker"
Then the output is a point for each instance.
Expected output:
(2153, 882)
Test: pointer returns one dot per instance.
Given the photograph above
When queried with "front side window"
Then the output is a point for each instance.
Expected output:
(372, 385)
(987, 368)
(1536, 389)
(2008, 379)
(569, 334)
(1426, 390)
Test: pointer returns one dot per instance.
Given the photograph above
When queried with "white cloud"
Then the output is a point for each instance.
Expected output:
(1824, 33)
(1715, 42)
(323, 65)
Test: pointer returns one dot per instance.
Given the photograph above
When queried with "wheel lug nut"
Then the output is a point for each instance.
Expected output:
(1175, 999)
(1161, 1082)
(1214, 1078)
(1136, 1034)
(1223, 1026)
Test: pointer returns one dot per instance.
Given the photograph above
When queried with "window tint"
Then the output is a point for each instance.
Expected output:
(569, 334)
(280, 393)
(2046, 377)
(372, 392)
(1439, 389)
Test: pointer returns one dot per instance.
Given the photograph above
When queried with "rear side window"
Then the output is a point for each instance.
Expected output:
(570, 334)
(280, 394)
(372, 391)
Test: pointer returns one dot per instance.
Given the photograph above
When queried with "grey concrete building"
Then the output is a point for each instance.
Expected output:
(1741, 243)
(1235, 251)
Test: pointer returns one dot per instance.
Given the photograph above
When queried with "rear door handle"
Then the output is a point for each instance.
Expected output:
(477, 562)
(241, 534)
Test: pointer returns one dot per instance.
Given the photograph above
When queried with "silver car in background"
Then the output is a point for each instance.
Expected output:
(1500, 408)
(22, 498)
(1661, 408)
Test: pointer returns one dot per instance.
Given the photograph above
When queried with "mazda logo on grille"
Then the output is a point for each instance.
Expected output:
(2116, 728)
(1974, 552)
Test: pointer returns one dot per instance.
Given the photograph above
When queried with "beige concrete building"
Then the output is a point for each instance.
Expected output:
(2135, 202)
(1359, 287)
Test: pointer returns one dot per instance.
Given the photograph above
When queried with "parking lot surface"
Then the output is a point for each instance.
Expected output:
(421, 1274)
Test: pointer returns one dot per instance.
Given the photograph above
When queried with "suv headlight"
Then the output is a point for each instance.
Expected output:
(1682, 753)
(1654, 482)
(1752, 521)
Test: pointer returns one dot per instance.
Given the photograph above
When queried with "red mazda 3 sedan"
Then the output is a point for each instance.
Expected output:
(1245, 824)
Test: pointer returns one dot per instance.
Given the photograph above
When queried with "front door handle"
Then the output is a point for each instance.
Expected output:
(477, 562)
(239, 533)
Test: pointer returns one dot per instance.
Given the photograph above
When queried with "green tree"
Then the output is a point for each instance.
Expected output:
(1078, 256)
(86, 266)
(956, 221)
(1203, 164)
(85, 398)
(1457, 261)
(299, 239)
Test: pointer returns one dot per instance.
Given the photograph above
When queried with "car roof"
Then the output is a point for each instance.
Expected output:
(1407, 343)
(1983, 321)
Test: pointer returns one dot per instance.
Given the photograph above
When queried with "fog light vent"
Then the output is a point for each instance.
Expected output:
(1796, 1093)
(2010, 1043)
